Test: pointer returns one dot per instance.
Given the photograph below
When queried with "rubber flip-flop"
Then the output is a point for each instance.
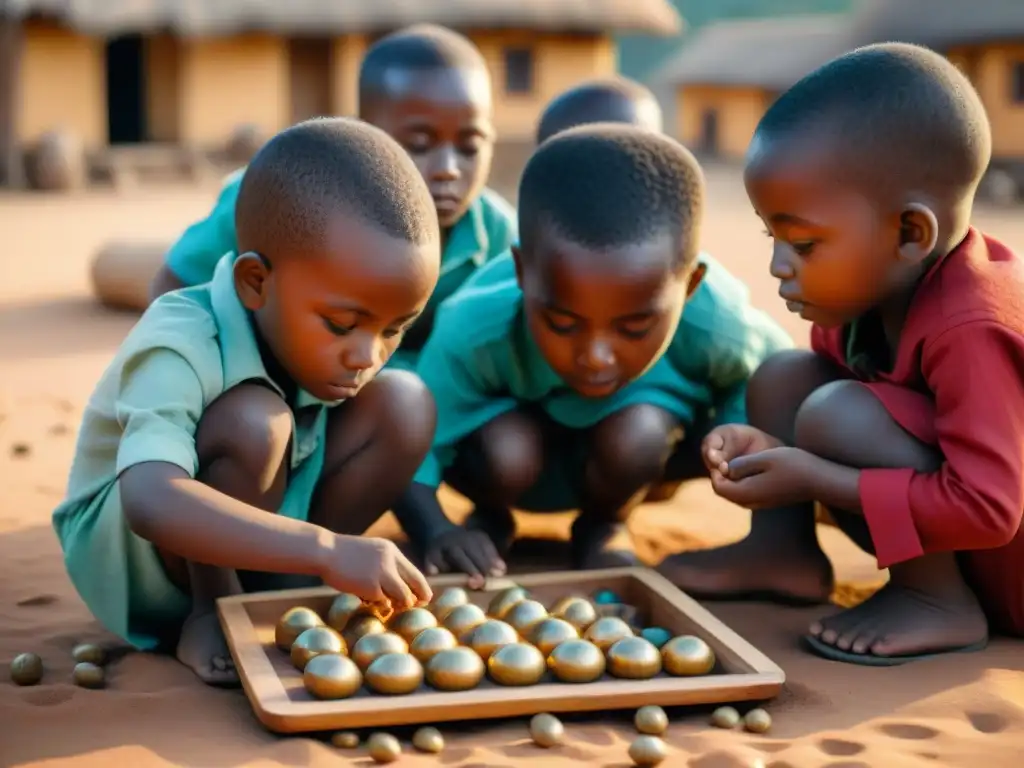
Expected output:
(832, 653)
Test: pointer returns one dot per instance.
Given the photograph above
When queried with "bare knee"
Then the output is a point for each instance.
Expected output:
(402, 413)
(779, 387)
(250, 427)
(512, 448)
(844, 422)
(632, 446)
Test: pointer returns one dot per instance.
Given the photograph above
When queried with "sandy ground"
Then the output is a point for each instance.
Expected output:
(55, 341)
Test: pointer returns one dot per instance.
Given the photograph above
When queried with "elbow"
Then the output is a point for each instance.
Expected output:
(999, 523)
(142, 498)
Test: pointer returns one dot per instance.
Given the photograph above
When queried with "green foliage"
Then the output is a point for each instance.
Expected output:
(639, 55)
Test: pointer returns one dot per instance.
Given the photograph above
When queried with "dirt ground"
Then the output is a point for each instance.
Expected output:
(55, 341)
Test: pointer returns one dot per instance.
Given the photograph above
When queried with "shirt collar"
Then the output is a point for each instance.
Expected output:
(468, 239)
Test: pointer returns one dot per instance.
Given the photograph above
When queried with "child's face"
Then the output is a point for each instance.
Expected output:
(443, 119)
(834, 251)
(601, 320)
(332, 318)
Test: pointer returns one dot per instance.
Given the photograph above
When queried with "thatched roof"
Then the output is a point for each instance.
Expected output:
(224, 17)
(762, 53)
(939, 23)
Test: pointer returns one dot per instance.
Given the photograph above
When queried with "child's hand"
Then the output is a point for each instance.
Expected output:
(725, 443)
(461, 549)
(774, 477)
(375, 570)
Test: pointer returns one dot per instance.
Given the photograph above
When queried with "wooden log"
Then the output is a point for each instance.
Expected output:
(122, 273)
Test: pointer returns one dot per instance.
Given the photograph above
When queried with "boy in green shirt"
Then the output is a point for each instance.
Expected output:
(430, 89)
(568, 375)
(227, 437)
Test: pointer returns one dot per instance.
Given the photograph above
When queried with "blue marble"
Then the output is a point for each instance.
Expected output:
(656, 636)
(607, 597)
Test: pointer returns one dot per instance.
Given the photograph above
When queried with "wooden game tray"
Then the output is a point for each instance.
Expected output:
(282, 704)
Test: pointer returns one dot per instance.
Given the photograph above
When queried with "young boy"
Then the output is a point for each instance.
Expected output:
(430, 89)
(240, 426)
(569, 376)
(906, 419)
(607, 100)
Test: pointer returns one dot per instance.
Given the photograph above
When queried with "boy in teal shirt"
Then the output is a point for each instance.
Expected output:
(568, 375)
(240, 429)
(429, 88)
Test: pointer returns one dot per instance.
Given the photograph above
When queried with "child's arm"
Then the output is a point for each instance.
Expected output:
(465, 393)
(159, 406)
(194, 256)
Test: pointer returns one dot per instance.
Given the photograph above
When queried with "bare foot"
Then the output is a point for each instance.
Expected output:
(901, 621)
(752, 569)
(602, 545)
(499, 525)
(202, 648)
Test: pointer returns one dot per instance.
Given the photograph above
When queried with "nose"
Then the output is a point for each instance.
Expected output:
(360, 353)
(782, 267)
(446, 164)
(598, 355)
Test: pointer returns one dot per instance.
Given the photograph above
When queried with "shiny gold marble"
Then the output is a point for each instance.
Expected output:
(448, 600)
(546, 730)
(293, 623)
(757, 721)
(313, 642)
(432, 641)
(361, 625)
(606, 631)
(457, 669)
(383, 748)
(524, 615)
(371, 647)
(505, 600)
(547, 634)
(26, 669)
(516, 665)
(490, 636)
(395, 674)
(410, 623)
(89, 652)
(331, 676)
(578, 611)
(428, 740)
(462, 619)
(633, 658)
(345, 739)
(687, 655)
(577, 661)
(648, 751)
(88, 675)
(342, 609)
(725, 717)
(651, 720)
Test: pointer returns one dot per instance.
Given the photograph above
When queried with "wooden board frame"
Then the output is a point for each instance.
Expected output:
(282, 705)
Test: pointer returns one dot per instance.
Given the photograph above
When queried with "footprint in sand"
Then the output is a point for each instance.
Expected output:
(37, 601)
(928, 755)
(908, 731)
(59, 429)
(740, 758)
(987, 722)
(48, 697)
(840, 747)
(20, 450)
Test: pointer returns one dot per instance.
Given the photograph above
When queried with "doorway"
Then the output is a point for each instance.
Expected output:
(126, 90)
(709, 132)
(309, 68)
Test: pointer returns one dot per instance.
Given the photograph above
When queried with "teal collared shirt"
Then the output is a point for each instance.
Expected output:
(486, 230)
(481, 362)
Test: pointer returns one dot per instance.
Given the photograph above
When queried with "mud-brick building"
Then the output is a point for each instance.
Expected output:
(188, 73)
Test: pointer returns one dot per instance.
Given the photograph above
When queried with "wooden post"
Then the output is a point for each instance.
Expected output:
(12, 167)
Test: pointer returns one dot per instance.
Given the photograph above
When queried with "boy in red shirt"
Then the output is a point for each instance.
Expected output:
(907, 418)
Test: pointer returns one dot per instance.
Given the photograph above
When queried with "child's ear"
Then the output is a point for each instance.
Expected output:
(919, 233)
(251, 271)
(696, 277)
(517, 258)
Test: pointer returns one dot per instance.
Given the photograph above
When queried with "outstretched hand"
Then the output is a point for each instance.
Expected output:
(728, 442)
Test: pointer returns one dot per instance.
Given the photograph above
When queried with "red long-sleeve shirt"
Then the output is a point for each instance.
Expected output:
(957, 383)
